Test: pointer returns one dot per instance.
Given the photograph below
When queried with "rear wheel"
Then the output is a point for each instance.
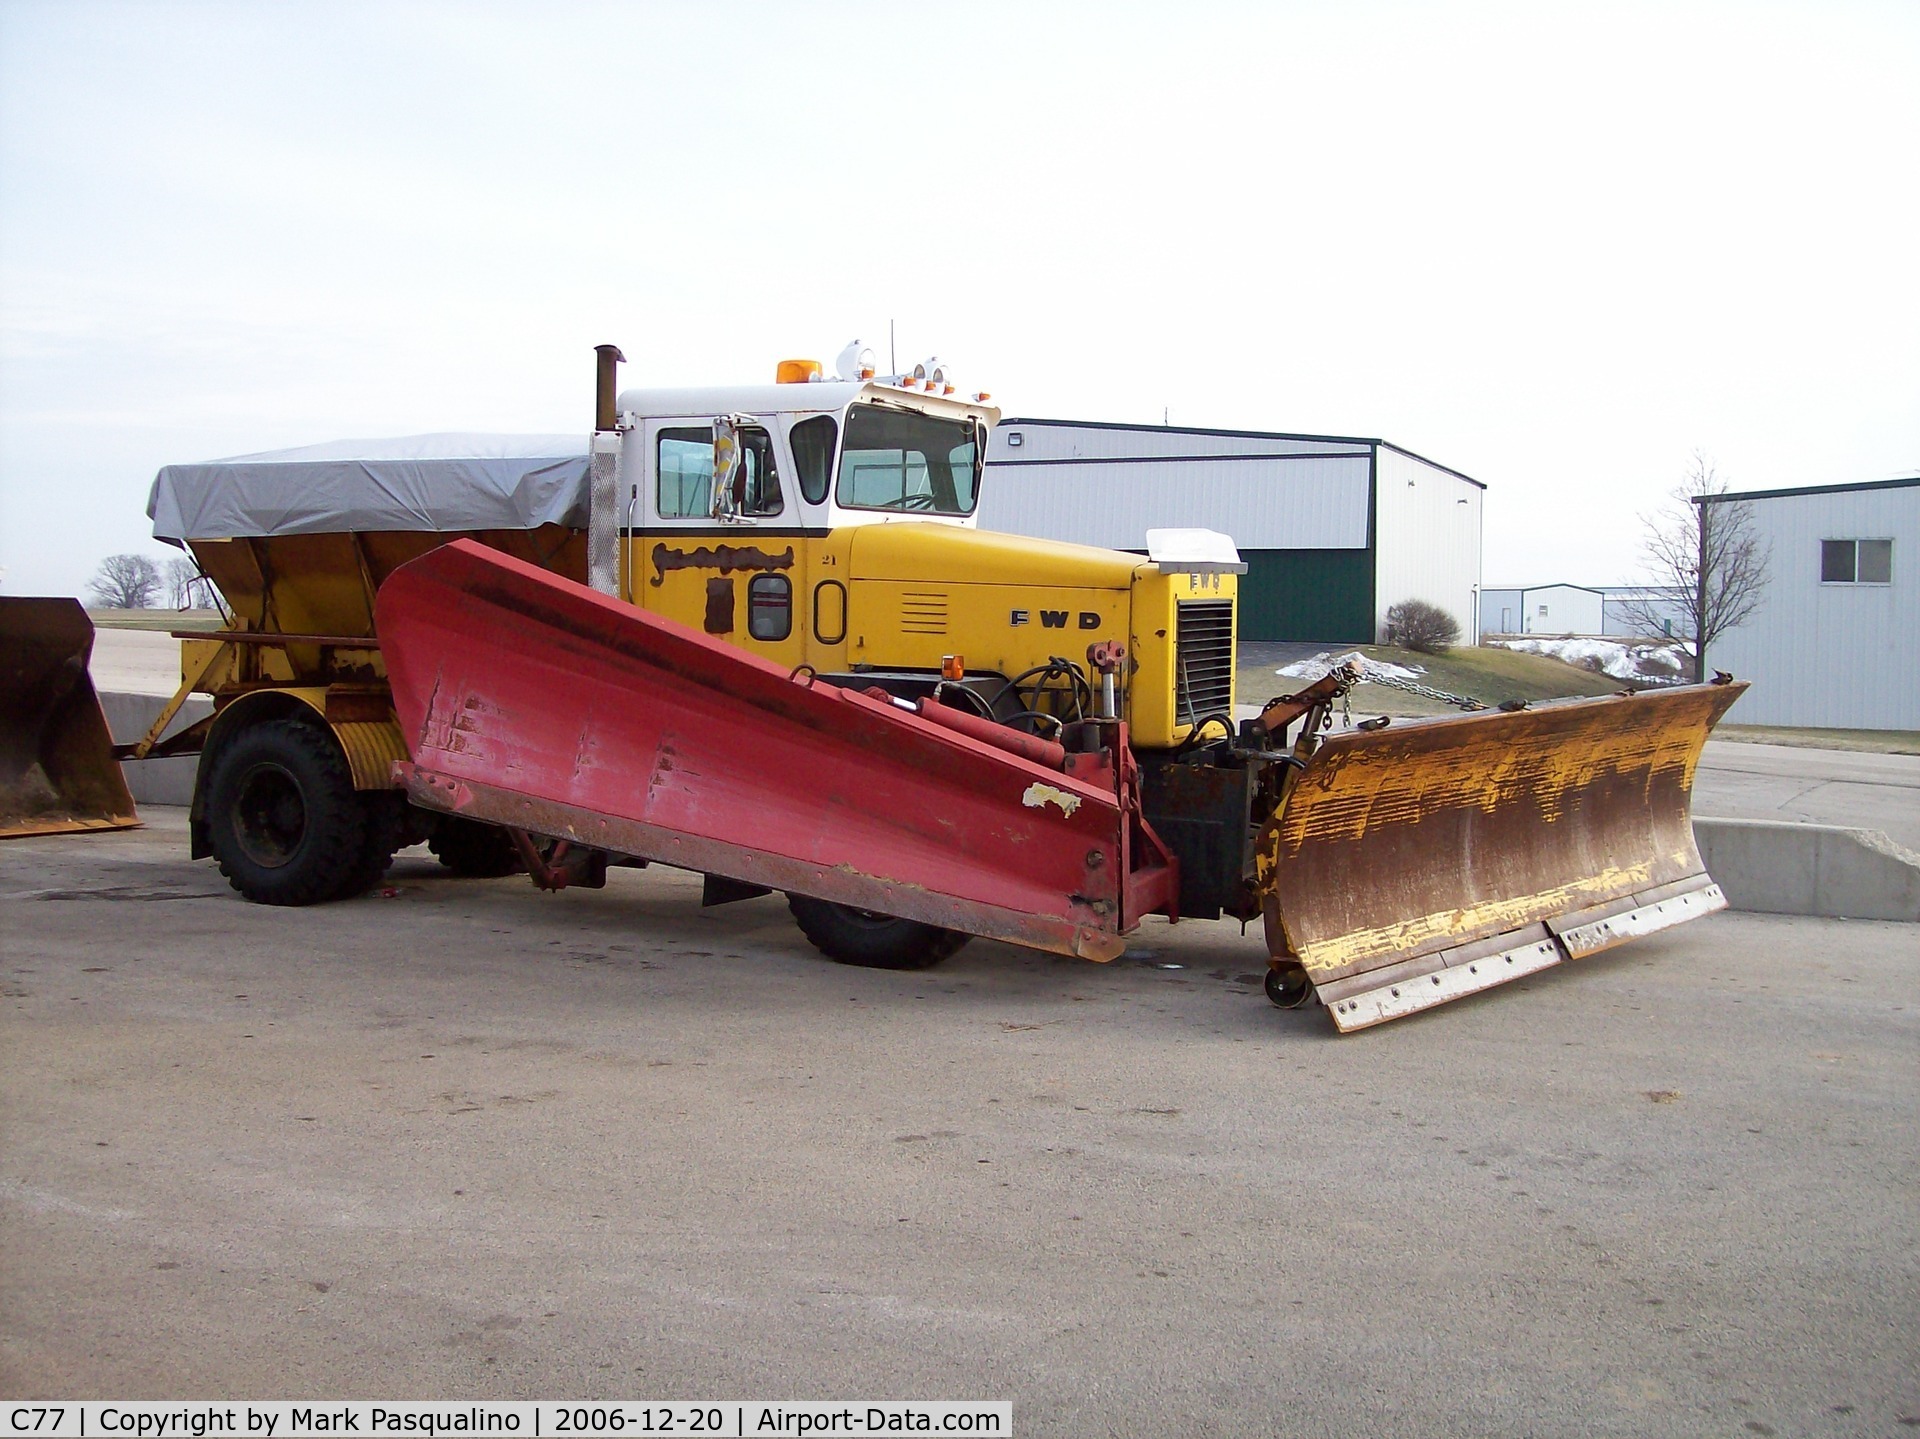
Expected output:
(473, 850)
(383, 831)
(872, 941)
(285, 823)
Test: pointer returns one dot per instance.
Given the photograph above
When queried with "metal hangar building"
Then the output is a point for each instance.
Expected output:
(1333, 529)
(1835, 641)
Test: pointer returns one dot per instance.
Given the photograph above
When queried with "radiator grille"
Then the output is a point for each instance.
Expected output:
(1203, 660)
(923, 612)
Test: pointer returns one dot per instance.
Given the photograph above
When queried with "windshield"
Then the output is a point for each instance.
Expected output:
(901, 460)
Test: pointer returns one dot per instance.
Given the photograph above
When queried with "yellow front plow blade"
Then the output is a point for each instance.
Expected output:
(1415, 864)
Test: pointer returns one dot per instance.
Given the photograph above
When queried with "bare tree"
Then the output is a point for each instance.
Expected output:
(1703, 549)
(126, 582)
(181, 575)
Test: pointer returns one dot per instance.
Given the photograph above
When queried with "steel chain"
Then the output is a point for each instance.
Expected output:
(1350, 677)
(1427, 691)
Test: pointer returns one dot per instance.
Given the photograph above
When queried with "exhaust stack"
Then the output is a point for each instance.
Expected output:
(607, 360)
(603, 475)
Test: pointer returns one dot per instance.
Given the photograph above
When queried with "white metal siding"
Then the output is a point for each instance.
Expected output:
(1051, 441)
(1249, 490)
(1428, 545)
(1843, 656)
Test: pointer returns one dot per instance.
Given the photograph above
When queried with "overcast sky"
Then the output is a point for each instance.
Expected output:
(1556, 247)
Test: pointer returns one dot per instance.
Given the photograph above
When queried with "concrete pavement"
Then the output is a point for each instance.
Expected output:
(1765, 781)
(472, 1140)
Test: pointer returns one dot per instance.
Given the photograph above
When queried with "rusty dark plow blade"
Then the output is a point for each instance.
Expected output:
(1427, 861)
(57, 771)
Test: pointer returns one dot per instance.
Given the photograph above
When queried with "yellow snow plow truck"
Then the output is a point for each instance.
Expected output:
(754, 632)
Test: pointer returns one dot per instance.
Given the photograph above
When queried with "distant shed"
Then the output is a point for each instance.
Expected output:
(1835, 642)
(1645, 612)
(1334, 530)
(1542, 610)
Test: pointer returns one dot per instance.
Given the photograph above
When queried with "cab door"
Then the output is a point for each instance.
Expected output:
(738, 580)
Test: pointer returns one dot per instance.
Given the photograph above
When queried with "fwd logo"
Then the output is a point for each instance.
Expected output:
(1055, 619)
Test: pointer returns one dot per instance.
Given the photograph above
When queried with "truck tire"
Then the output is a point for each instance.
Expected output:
(872, 941)
(383, 832)
(283, 819)
(473, 850)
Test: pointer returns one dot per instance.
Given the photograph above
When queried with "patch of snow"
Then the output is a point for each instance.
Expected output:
(1326, 662)
(1622, 661)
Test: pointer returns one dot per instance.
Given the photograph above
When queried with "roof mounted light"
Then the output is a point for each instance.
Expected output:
(856, 362)
(796, 372)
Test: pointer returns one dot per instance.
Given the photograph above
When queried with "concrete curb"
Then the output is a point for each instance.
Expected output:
(1779, 867)
(154, 781)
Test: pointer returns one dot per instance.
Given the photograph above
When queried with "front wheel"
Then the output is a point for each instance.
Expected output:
(285, 823)
(872, 941)
(473, 850)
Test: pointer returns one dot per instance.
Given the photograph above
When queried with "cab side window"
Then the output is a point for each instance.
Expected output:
(686, 473)
(813, 441)
(685, 470)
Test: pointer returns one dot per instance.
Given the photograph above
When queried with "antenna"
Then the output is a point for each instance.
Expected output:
(893, 360)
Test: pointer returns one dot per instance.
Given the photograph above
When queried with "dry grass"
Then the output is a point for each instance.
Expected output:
(1861, 741)
(163, 620)
(1492, 676)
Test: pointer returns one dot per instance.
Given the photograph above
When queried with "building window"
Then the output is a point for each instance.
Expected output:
(1856, 562)
(1543, 612)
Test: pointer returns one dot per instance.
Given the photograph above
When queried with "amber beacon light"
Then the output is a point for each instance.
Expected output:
(796, 372)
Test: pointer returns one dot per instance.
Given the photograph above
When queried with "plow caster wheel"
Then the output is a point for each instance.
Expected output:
(872, 941)
(282, 815)
(1288, 986)
(473, 850)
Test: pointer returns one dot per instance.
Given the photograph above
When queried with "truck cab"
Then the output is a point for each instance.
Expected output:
(737, 505)
(832, 524)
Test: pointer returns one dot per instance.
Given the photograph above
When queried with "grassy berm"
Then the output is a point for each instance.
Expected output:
(1491, 676)
(156, 619)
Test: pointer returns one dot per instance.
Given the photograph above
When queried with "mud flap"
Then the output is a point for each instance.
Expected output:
(57, 770)
(1427, 861)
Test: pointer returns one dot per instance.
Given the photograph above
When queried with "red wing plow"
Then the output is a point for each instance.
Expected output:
(532, 702)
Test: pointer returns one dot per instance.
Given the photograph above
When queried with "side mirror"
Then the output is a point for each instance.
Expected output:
(726, 466)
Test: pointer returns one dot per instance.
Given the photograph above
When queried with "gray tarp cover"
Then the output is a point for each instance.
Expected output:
(419, 482)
